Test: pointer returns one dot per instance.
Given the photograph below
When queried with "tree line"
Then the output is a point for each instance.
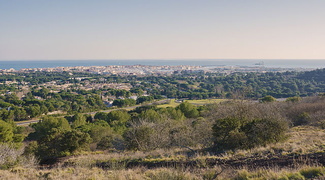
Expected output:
(192, 86)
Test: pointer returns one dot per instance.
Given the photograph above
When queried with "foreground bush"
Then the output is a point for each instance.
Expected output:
(11, 156)
(232, 133)
(61, 142)
(313, 172)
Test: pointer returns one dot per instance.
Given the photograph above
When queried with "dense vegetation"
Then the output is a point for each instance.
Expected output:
(41, 99)
(193, 86)
(14, 109)
(229, 127)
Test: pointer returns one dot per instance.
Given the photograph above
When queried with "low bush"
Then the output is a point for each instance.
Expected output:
(313, 172)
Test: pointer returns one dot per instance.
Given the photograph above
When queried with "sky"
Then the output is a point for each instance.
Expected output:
(162, 29)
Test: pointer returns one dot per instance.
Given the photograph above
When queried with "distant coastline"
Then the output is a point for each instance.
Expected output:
(17, 65)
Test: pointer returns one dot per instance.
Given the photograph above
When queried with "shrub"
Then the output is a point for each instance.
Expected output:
(267, 99)
(145, 136)
(313, 172)
(242, 175)
(235, 133)
(293, 99)
(105, 143)
(322, 124)
(11, 156)
(139, 137)
(227, 133)
(302, 119)
(295, 176)
(60, 142)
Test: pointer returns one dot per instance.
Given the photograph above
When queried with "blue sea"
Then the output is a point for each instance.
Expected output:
(217, 62)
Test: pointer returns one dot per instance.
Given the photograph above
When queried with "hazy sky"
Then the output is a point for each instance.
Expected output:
(162, 29)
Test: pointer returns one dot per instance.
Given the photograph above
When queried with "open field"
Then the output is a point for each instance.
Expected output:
(174, 103)
(205, 101)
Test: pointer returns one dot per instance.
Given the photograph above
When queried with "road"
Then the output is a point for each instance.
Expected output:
(26, 123)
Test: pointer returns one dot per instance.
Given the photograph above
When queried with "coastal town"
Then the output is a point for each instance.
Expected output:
(162, 90)
(157, 70)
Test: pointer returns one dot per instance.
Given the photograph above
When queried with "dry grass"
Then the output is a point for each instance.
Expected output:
(98, 174)
(90, 160)
(301, 140)
(301, 173)
(305, 172)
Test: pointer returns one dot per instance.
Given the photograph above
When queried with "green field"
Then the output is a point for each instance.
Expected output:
(205, 101)
(200, 102)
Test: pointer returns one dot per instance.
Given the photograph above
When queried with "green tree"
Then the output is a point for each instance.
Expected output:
(20, 114)
(46, 125)
(100, 116)
(150, 115)
(97, 130)
(4, 104)
(118, 119)
(78, 120)
(60, 142)
(124, 102)
(143, 99)
(6, 132)
(6, 115)
(175, 114)
(189, 110)
(33, 110)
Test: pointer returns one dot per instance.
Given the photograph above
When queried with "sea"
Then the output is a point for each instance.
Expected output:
(276, 63)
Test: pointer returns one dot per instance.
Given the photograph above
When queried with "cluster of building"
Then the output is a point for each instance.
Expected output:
(157, 70)
(118, 69)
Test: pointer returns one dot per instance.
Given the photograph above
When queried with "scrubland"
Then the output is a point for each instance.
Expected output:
(297, 153)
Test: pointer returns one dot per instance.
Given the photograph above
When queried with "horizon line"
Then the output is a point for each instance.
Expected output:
(146, 59)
